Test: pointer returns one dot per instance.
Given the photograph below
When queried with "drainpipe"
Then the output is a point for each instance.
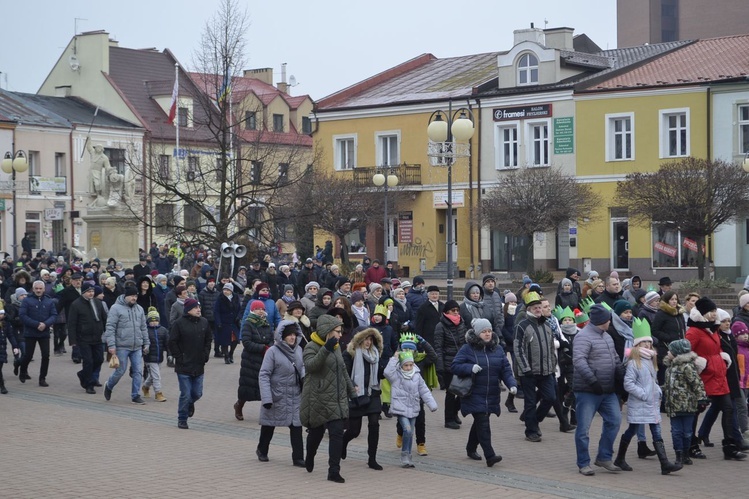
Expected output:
(470, 200)
(709, 153)
(478, 181)
(72, 190)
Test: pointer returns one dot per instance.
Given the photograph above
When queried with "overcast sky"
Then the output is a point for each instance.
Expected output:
(328, 44)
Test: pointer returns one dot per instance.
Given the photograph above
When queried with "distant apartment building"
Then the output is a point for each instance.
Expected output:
(655, 21)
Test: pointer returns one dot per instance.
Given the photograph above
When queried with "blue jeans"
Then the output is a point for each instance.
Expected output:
(190, 391)
(655, 430)
(547, 391)
(607, 405)
(408, 425)
(681, 432)
(136, 357)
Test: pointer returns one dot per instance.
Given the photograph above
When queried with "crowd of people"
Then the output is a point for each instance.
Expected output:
(327, 351)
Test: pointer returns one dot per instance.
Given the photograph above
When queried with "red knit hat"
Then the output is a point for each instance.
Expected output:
(257, 305)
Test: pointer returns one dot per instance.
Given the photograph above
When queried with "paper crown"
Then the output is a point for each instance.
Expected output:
(606, 306)
(580, 317)
(405, 356)
(566, 312)
(408, 341)
(531, 298)
(586, 303)
(641, 330)
(557, 312)
(382, 310)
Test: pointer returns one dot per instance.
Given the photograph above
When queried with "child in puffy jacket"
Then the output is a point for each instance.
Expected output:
(407, 390)
(3, 348)
(158, 336)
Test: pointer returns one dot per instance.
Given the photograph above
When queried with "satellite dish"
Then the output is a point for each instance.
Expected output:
(74, 64)
(292, 80)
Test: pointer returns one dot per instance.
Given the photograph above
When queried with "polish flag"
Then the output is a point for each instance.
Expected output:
(173, 105)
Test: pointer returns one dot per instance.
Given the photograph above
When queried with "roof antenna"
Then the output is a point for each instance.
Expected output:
(546, 22)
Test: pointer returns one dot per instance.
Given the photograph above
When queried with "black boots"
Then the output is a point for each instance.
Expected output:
(731, 450)
(666, 466)
(620, 461)
(3, 390)
(510, 403)
(373, 439)
(238, 405)
(643, 451)
(694, 449)
(682, 457)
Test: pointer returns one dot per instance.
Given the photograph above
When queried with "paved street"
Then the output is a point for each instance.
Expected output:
(59, 442)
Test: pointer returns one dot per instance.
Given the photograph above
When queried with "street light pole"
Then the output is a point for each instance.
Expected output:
(387, 180)
(444, 135)
(15, 161)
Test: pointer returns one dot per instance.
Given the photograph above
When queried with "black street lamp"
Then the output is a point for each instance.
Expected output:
(444, 148)
(388, 180)
(15, 162)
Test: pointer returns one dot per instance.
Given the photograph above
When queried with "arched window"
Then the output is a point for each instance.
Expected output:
(528, 70)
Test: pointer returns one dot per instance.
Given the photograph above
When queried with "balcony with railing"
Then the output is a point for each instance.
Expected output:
(407, 174)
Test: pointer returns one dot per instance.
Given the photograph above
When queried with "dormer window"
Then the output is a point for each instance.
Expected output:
(528, 70)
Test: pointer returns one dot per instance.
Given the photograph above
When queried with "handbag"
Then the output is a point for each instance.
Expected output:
(461, 386)
(114, 361)
(360, 401)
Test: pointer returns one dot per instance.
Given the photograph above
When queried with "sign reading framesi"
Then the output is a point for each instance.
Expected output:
(522, 112)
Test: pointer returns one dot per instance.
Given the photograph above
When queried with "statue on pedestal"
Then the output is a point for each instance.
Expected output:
(107, 186)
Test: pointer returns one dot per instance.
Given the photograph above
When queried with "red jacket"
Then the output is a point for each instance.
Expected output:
(375, 275)
(707, 345)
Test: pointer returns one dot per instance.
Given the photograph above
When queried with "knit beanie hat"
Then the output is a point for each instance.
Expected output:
(296, 304)
(526, 280)
(641, 330)
(738, 328)
(418, 280)
(722, 315)
(451, 304)
(651, 295)
(287, 287)
(743, 300)
(327, 323)
(679, 347)
(228, 286)
(566, 282)
(408, 341)
(309, 285)
(131, 291)
(592, 275)
(480, 325)
(488, 277)
(374, 287)
(580, 317)
(705, 305)
(599, 315)
(256, 305)
(190, 304)
(356, 296)
(510, 297)
(86, 286)
(153, 315)
(620, 306)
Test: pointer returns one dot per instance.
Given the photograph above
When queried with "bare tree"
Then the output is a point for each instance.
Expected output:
(530, 200)
(692, 195)
(231, 183)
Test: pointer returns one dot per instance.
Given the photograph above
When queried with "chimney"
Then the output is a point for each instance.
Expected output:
(531, 34)
(282, 85)
(63, 91)
(559, 38)
(263, 74)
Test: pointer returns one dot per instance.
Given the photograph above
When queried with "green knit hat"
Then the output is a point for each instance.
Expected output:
(580, 317)
(641, 330)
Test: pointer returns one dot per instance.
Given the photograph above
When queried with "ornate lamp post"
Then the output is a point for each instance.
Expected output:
(447, 142)
(388, 180)
(15, 162)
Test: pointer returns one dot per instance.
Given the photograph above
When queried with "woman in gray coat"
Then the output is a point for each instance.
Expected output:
(280, 378)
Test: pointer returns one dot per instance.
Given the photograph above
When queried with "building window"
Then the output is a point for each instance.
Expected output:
(164, 167)
(182, 117)
(164, 219)
(278, 122)
(538, 144)
(34, 228)
(256, 170)
(192, 217)
(250, 120)
(674, 128)
(116, 159)
(35, 167)
(193, 168)
(283, 172)
(387, 149)
(220, 170)
(345, 152)
(306, 125)
(507, 146)
(744, 129)
(620, 137)
(60, 169)
(671, 249)
(528, 70)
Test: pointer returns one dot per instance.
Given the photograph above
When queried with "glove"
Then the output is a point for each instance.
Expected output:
(419, 339)
(702, 405)
(726, 358)
(597, 388)
(513, 390)
(268, 405)
(16, 352)
(476, 369)
(330, 344)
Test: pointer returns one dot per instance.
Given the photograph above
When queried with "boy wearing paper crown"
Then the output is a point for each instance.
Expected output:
(425, 358)
(408, 390)
(159, 337)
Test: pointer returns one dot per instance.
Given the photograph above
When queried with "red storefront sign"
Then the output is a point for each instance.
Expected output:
(666, 249)
(692, 245)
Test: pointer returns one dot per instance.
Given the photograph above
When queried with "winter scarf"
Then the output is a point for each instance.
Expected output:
(402, 302)
(287, 299)
(407, 374)
(372, 356)
(624, 330)
(257, 320)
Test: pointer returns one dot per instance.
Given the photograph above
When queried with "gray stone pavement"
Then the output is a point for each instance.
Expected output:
(59, 442)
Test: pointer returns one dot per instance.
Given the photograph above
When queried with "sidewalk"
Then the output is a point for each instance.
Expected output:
(59, 442)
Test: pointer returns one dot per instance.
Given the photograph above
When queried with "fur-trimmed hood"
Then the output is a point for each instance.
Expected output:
(472, 338)
(304, 320)
(277, 335)
(362, 335)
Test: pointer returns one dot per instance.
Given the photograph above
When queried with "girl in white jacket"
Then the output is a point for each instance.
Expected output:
(407, 389)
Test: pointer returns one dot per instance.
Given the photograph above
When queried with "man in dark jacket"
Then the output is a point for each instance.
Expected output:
(597, 368)
(612, 293)
(38, 315)
(142, 269)
(65, 298)
(86, 321)
(429, 314)
(493, 299)
(416, 296)
(573, 275)
(190, 345)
